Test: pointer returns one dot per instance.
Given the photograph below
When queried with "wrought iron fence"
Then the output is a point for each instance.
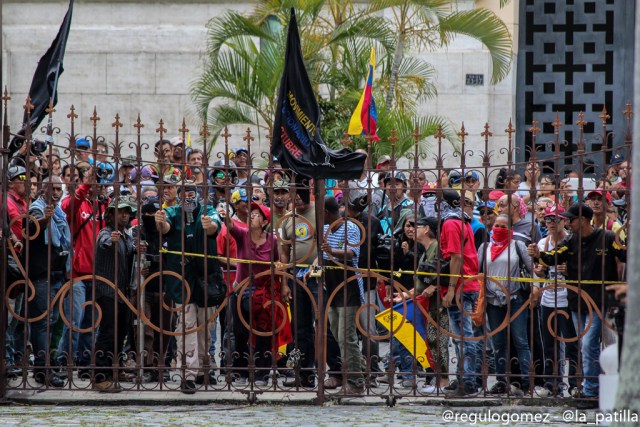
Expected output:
(151, 292)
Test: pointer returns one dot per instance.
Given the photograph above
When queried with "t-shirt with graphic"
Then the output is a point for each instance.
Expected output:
(302, 230)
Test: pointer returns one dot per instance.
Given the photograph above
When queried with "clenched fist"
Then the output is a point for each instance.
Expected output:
(208, 225)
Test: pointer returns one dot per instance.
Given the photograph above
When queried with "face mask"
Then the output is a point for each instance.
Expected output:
(190, 204)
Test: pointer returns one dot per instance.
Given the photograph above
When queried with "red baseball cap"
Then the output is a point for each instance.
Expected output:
(495, 195)
(607, 195)
(555, 210)
(266, 213)
(429, 187)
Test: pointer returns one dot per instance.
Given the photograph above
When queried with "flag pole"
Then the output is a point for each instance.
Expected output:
(319, 193)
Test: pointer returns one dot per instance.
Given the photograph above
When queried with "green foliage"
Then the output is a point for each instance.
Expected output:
(241, 76)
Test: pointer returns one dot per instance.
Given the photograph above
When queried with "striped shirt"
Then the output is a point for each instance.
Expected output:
(336, 239)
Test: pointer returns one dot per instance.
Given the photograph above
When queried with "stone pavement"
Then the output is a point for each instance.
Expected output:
(347, 414)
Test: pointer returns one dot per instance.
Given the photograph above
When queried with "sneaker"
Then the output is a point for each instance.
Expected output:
(240, 381)
(540, 391)
(52, 380)
(588, 403)
(497, 388)
(408, 383)
(431, 389)
(212, 379)
(107, 386)
(516, 391)
(353, 390)
(383, 379)
(332, 383)
(574, 392)
(465, 391)
(261, 383)
(188, 387)
(453, 385)
(294, 382)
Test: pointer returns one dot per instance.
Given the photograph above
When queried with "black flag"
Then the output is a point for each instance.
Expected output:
(44, 85)
(296, 135)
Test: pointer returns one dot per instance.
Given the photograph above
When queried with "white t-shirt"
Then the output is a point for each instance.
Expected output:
(549, 295)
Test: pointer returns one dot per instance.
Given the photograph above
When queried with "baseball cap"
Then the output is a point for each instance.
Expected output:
(122, 202)
(383, 160)
(239, 196)
(575, 209)
(280, 185)
(555, 210)
(400, 176)
(265, 211)
(617, 159)
(83, 143)
(177, 140)
(606, 194)
(431, 221)
(454, 176)
(429, 187)
(241, 150)
(472, 174)
(495, 195)
(489, 204)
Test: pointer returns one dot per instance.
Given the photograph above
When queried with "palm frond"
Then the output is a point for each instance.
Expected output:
(228, 27)
(485, 26)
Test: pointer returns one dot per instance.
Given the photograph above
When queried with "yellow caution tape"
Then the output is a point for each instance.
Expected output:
(398, 273)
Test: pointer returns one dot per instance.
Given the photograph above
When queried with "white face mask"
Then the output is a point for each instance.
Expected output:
(190, 204)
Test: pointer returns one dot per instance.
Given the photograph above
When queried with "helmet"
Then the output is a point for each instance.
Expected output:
(15, 171)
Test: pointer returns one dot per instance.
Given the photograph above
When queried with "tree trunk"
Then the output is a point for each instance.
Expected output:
(395, 69)
(628, 396)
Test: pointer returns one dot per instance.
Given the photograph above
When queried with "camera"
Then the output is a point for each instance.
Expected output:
(103, 173)
(40, 144)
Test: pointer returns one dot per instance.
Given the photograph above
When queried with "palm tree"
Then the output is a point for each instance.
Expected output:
(432, 24)
(240, 82)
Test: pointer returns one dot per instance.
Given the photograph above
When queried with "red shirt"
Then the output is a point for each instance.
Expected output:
(16, 206)
(450, 243)
(221, 241)
(84, 242)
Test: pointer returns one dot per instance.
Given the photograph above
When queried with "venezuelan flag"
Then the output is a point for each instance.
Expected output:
(412, 334)
(188, 147)
(363, 120)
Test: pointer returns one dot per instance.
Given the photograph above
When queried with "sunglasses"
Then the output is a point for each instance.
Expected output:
(222, 175)
(551, 219)
(21, 177)
(411, 224)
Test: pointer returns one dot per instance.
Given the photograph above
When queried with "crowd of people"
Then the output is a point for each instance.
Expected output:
(199, 235)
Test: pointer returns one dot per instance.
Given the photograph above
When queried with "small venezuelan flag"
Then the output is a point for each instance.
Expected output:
(188, 147)
(363, 120)
(412, 334)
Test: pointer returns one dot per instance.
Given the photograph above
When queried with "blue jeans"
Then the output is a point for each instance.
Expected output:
(403, 359)
(470, 349)
(79, 318)
(591, 342)
(40, 339)
(13, 343)
(519, 335)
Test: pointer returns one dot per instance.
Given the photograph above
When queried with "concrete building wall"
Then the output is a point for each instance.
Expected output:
(140, 57)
